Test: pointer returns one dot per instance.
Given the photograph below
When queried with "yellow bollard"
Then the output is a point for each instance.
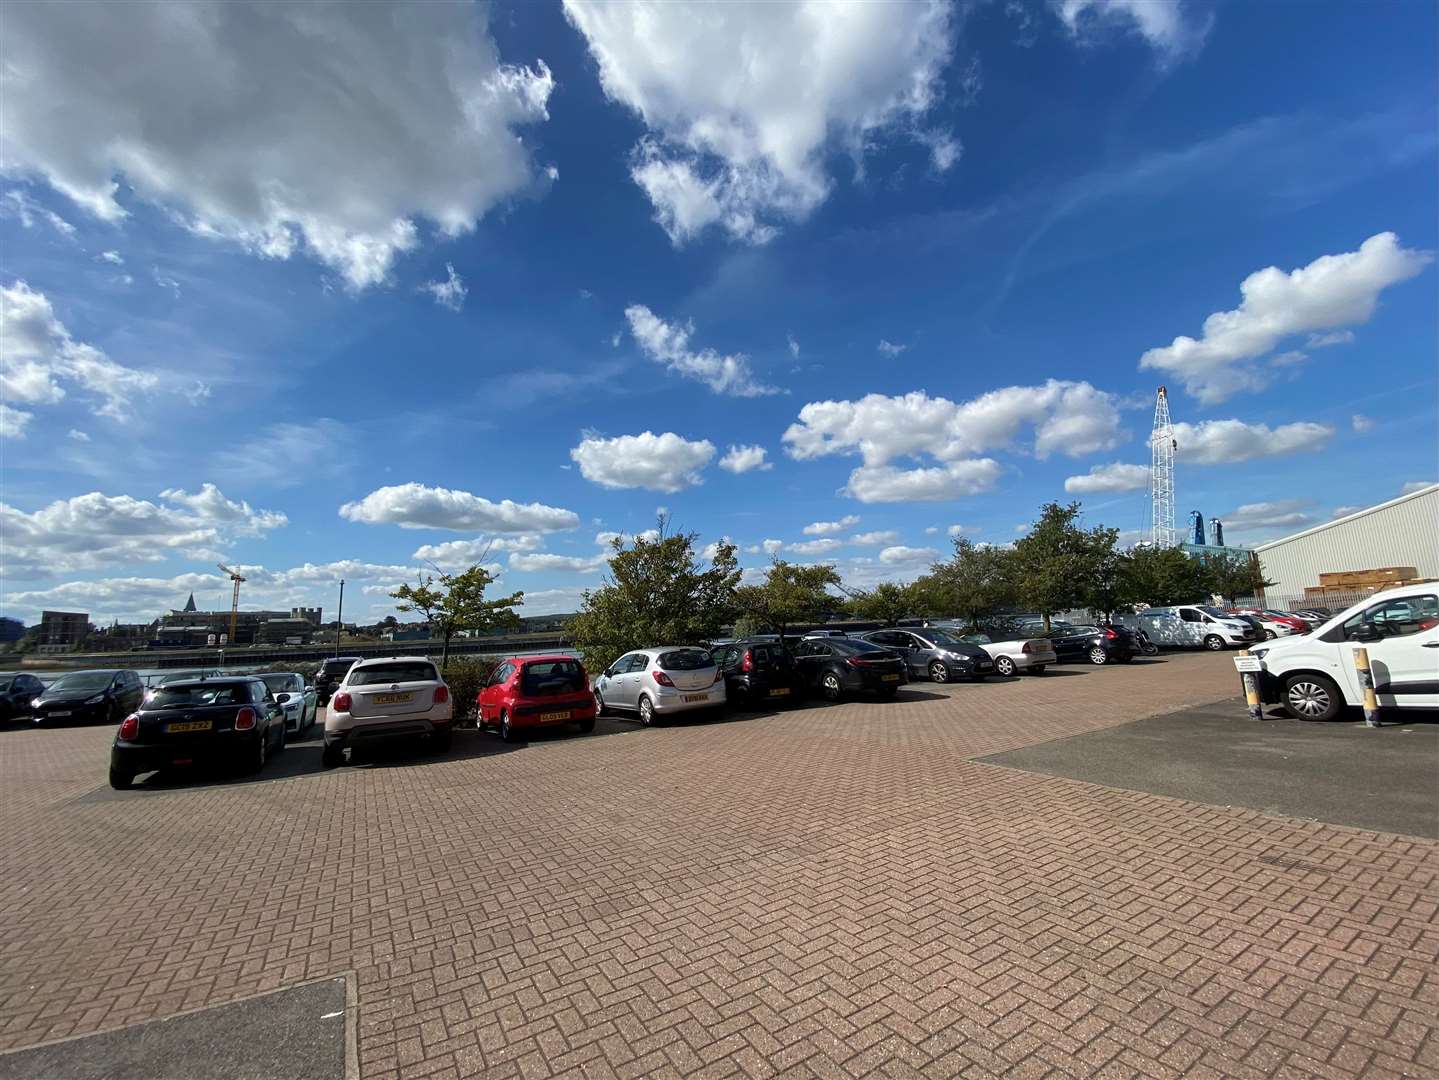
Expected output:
(1366, 682)
(1251, 692)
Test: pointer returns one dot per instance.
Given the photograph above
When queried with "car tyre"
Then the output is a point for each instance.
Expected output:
(586, 726)
(1270, 635)
(507, 733)
(938, 672)
(119, 779)
(1005, 666)
(1312, 697)
(646, 711)
(600, 707)
(1214, 643)
(332, 756)
(283, 740)
(1098, 656)
(259, 755)
(829, 685)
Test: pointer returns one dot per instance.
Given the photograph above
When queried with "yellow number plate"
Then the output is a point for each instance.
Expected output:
(391, 699)
(890, 678)
(551, 717)
(190, 725)
(779, 691)
(696, 697)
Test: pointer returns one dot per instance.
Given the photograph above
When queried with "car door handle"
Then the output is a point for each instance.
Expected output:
(1431, 645)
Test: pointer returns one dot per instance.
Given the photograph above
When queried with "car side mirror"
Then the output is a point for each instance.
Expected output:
(1366, 631)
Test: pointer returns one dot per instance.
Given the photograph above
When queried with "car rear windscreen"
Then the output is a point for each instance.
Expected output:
(685, 660)
(546, 677)
(199, 696)
(855, 645)
(399, 671)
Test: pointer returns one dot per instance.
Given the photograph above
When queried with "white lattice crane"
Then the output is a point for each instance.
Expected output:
(234, 599)
(1161, 475)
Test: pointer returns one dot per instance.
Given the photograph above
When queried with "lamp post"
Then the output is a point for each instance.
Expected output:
(340, 617)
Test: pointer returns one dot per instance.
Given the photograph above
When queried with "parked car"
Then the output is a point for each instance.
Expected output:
(230, 720)
(96, 697)
(1271, 624)
(824, 634)
(1093, 644)
(17, 690)
(527, 692)
(1193, 626)
(1013, 655)
(183, 676)
(1265, 632)
(299, 701)
(757, 670)
(659, 682)
(385, 698)
(1313, 676)
(1315, 615)
(839, 667)
(332, 672)
(935, 653)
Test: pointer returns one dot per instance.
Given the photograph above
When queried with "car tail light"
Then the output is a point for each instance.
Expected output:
(129, 727)
(719, 675)
(442, 694)
(1110, 634)
(663, 679)
(747, 664)
(245, 719)
(340, 703)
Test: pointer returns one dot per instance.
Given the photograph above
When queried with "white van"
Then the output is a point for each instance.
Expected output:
(1314, 676)
(1193, 626)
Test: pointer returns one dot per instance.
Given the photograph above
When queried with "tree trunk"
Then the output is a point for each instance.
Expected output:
(445, 652)
(1046, 622)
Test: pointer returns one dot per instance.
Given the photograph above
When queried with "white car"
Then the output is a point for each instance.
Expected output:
(294, 697)
(1314, 677)
(390, 697)
(653, 683)
(1016, 655)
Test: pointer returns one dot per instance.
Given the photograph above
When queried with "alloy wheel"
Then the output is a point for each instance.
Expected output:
(1309, 698)
(832, 689)
(938, 672)
(1098, 656)
(647, 711)
(1004, 665)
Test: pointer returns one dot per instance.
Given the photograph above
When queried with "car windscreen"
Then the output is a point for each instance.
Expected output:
(395, 672)
(849, 646)
(336, 667)
(1216, 612)
(198, 695)
(83, 680)
(552, 677)
(685, 660)
(283, 684)
(944, 637)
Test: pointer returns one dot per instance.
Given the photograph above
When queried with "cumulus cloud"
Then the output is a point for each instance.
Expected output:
(1333, 291)
(1225, 442)
(953, 480)
(97, 531)
(1106, 478)
(539, 561)
(669, 344)
(766, 547)
(711, 550)
(878, 538)
(1415, 485)
(1283, 515)
(38, 357)
(665, 462)
(331, 128)
(13, 422)
(114, 258)
(455, 554)
(743, 459)
(829, 528)
(960, 530)
(743, 103)
(889, 348)
(822, 546)
(449, 293)
(417, 506)
(606, 537)
(552, 601)
(1361, 423)
(900, 555)
(1165, 24)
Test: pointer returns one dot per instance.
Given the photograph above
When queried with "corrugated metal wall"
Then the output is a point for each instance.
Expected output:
(1404, 534)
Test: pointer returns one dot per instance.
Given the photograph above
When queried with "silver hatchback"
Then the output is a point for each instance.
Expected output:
(653, 683)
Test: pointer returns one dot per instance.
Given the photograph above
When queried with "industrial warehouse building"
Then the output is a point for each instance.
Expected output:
(1402, 532)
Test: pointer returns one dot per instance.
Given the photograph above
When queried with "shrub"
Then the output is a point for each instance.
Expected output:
(465, 678)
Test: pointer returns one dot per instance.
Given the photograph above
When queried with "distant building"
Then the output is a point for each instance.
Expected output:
(61, 631)
(417, 633)
(189, 628)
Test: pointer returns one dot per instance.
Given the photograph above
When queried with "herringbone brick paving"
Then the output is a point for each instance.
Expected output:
(828, 891)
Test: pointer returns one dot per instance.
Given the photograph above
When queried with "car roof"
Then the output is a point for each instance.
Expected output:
(219, 680)
(545, 658)
(359, 662)
(282, 674)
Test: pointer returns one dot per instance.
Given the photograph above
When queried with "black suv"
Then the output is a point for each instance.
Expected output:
(332, 672)
(757, 670)
(1093, 644)
(95, 697)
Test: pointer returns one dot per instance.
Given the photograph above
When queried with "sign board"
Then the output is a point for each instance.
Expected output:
(1248, 663)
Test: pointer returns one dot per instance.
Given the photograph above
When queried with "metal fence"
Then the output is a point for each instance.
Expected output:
(1336, 600)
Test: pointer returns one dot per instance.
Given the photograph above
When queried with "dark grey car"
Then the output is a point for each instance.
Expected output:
(935, 654)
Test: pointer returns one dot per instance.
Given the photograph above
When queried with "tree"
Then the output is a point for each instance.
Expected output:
(886, 603)
(658, 592)
(1107, 589)
(455, 602)
(975, 583)
(1057, 564)
(1161, 576)
(1234, 576)
(790, 594)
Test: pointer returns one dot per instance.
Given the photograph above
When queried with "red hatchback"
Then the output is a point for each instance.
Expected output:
(537, 691)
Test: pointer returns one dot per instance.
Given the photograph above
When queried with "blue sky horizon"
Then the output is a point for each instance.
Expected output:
(334, 292)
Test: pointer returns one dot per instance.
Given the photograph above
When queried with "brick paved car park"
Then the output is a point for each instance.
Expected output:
(833, 891)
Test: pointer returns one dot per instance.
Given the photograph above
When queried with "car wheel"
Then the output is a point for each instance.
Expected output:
(1270, 635)
(647, 711)
(507, 733)
(1311, 697)
(938, 672)
(1004, 665)
(599, 704)
(283, 740)
(586, 726)
(1098, 656)
(1214, 643)
(119, 779)
(830, 687)
(332, 755)
(259, 755)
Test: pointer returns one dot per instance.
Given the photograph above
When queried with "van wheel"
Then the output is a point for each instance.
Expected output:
(1005, 666)
(1214, 643)
(1311, 697)
(647, 711)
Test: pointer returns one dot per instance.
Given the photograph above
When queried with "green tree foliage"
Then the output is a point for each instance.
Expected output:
(465, 678)
(1161, 576)
(886, 603)
(1058, 565)
(658, 592)
(975, 583)
(454, 602)
(1233, 576)
(790, 594)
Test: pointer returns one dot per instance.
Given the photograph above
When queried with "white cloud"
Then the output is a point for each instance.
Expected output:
(283, 454)
(417, 506)
(712, 548)
(165, 281)
(449, 293)
(743, 103)
(78, 435)
(607, 537)
(669, 344)
(793, 346)
(1331, 292)
(1105, 478)
(112, 257)
(540, 561)
(932, 530)
(743, 459)
(13, 422)
(822, 546)
(1415, 485)
(552, 601)
(766, 547)
(38, 355)
(95, 531)
(1283, 515)
(953, 480)
(888, 348)
(1334, 337)
(907, 556)
(1345, 511)
(1225, 442)
(960, 530)
(328, 127)
(456, 554)
(665, 462)
(1164, 24)
(17, 203)
(830, 528)
(878, 538)
(1361, 423)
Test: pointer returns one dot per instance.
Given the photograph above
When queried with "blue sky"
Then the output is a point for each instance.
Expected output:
(338, 292)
